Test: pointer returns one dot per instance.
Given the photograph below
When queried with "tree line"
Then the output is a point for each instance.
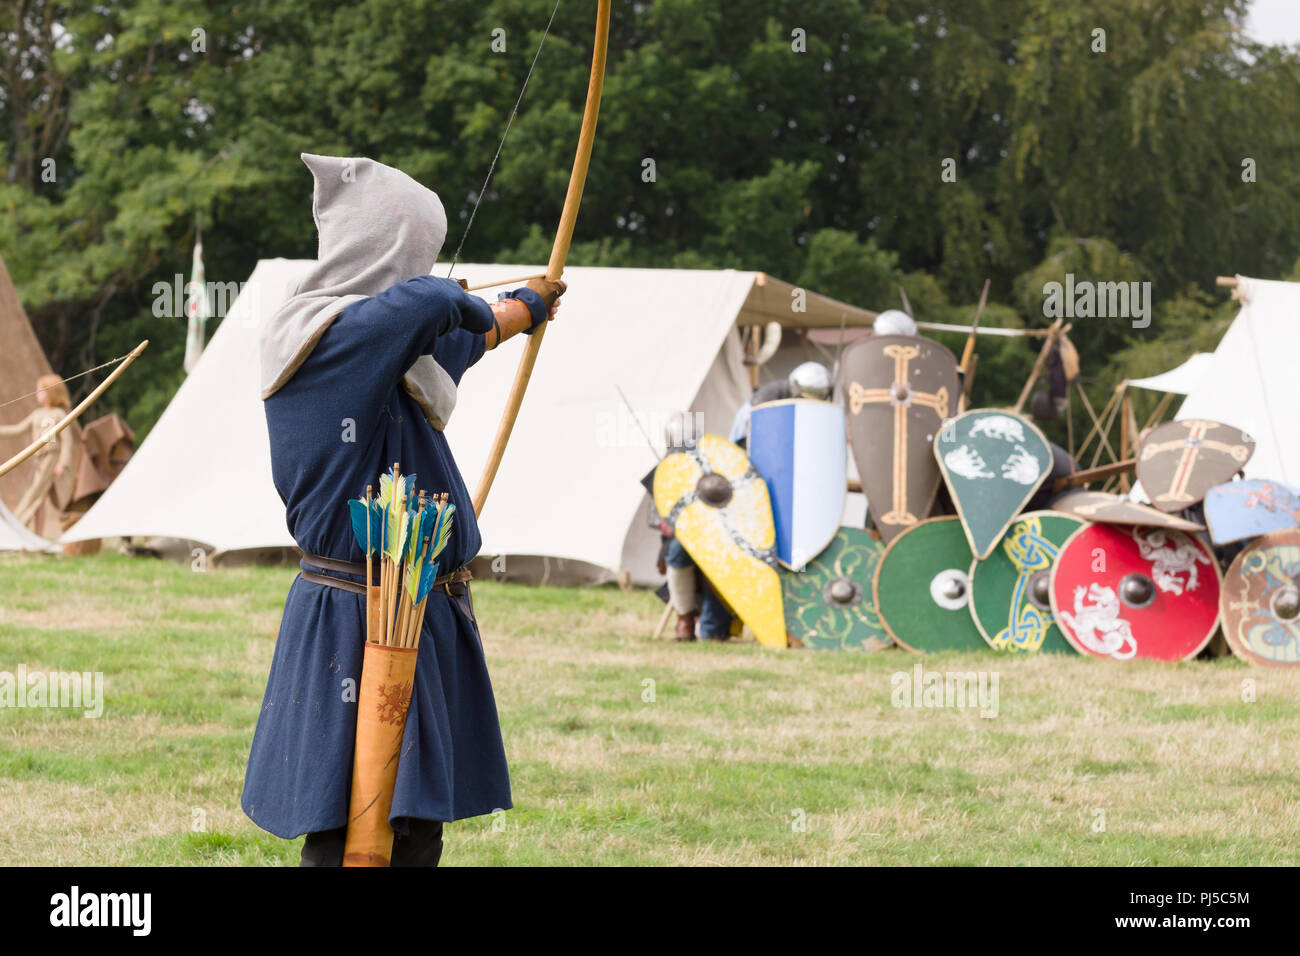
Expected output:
(849, 146)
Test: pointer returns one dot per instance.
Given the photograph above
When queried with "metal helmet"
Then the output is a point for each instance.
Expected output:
(810, 380)
(894, 322)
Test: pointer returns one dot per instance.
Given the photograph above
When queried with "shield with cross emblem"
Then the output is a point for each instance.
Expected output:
(1260, 601)
(898, 389)
(1180, 461)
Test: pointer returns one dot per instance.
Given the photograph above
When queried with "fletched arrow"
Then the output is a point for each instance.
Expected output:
(408, 532)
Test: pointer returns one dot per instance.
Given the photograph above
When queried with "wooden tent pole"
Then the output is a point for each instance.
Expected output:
(1161, 407)
(1083, 448)
(1126, 438)
(1102, 435)
(968, 353)
(1069, 423)
(1048, 344)
(1107, 423)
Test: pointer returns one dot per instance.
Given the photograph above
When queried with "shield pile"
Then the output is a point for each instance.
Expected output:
(970, 548)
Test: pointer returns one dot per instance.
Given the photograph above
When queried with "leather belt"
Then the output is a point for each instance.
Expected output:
(456, 579)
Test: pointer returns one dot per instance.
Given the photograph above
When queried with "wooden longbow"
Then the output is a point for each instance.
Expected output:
(559, 253)
(71, 417)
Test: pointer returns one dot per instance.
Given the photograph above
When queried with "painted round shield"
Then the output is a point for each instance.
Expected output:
(922, 587)
(829, 605)
(1011, 598)
(1261, 601)
(719, 509)
(1180, 461)
(1129, 592)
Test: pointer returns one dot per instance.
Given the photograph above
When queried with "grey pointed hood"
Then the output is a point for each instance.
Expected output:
(376, 226)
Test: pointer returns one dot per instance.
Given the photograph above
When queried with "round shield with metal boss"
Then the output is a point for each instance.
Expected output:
(922, 587)
(1011, 591)
(1134, 592)
(829, 604)
(1261, 601)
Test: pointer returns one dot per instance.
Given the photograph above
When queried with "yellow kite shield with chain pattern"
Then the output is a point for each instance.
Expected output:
(719, 509)
(898, 389)
(1180, 461)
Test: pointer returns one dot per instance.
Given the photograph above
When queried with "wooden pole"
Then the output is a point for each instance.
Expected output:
(663, 620)
(1096, 423)
(907, 306)
(1048, 344)
(1103, 433)
(1094, 474)
(968, 353)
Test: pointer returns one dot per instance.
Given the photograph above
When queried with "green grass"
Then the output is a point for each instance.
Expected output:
(627, 750)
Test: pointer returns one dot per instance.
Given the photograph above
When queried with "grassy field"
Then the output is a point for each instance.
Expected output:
(626, 750)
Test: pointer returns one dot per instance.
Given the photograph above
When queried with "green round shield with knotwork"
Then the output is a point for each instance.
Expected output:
(828, 605)
(1011, 593)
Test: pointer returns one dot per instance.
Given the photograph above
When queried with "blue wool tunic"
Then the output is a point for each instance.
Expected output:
(453, 763)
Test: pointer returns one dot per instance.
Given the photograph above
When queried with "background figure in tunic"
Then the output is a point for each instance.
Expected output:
(56, 463)
(360, 370)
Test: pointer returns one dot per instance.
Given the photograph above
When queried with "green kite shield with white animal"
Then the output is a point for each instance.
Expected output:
(993, 463)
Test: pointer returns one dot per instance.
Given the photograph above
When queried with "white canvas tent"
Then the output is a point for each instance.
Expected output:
(1178, 381)
(568, 487)
(15, 536)
(1251, 381)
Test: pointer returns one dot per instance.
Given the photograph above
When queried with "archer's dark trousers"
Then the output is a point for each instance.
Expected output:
(421, 846)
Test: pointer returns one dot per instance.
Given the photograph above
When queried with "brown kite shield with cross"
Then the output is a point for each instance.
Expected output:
(898, 389)
(1180, 461)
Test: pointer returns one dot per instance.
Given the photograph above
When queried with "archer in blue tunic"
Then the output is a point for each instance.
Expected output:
(348, 393)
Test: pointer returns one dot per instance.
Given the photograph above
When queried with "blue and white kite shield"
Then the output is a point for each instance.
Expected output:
(800, 447)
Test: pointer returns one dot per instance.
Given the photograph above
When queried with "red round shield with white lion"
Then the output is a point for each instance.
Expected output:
(1136, 592)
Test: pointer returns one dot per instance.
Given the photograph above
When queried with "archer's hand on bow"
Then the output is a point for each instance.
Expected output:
(524, 309)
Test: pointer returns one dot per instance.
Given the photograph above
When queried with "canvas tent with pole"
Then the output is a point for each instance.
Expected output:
(567, 496)
(1251, 381)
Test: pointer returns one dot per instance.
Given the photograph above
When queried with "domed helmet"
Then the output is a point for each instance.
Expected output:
(894, 322)
(810, 380)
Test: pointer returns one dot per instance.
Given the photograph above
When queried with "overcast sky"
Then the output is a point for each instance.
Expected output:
(1276, 21)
